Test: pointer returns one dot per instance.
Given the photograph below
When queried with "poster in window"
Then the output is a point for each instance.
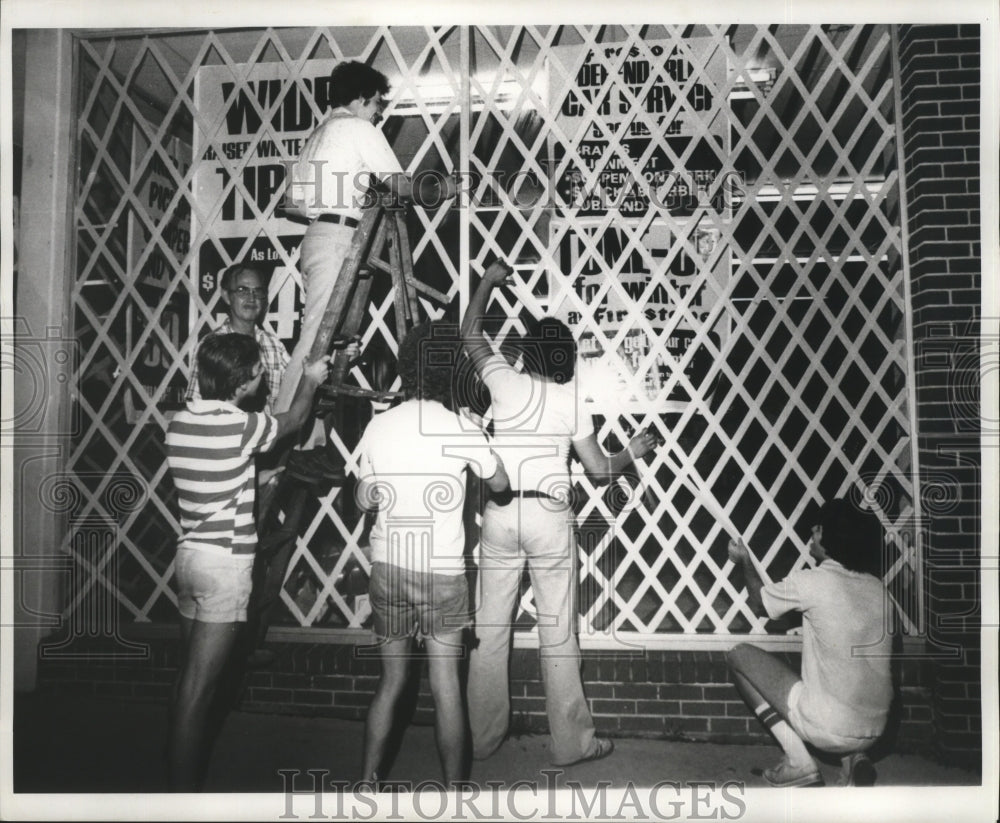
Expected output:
(641, 130)
(159, 238)
(254, 121)
(639, 160)
(647, 335)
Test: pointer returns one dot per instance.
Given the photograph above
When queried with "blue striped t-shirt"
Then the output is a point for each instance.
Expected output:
(210, 448)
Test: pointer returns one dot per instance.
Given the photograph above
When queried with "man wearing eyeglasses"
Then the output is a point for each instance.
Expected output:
(329, 186)
(244, 291)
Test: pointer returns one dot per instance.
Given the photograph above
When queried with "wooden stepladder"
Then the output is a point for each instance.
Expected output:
(380, 243)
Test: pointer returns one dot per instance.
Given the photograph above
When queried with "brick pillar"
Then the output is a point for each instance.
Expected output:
(940, 91)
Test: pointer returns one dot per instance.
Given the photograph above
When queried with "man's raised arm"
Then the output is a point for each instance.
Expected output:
(472, 324)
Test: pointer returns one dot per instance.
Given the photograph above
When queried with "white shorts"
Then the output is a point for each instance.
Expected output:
(213, 588)
(821, 738)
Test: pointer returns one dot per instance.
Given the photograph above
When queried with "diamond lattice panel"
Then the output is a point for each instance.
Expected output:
(712, 209)
(749, 304)
(148, 235)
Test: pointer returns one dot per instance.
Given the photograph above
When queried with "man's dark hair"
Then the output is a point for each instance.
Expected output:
(229, 275)
(548, 349)
(351, 80)
(851, 536)
(427, 362)
(225, 362)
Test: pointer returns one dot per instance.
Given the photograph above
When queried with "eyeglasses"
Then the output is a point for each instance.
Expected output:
(246, 291)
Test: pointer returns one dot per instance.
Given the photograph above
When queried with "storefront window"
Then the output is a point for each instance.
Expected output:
(712, 209)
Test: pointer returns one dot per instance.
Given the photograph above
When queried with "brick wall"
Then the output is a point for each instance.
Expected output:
(940, 118)
(670, 695)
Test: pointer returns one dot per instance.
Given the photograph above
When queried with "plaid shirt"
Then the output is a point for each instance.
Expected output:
(273, 356)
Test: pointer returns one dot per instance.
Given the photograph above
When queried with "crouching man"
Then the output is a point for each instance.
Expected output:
(840, 702)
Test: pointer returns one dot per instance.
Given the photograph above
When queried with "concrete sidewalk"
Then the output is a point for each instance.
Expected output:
(81, 744)
(105, 747)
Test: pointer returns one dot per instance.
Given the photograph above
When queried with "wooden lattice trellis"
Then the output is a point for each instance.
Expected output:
(792, 383)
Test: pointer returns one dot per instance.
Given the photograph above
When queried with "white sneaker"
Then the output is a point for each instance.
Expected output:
(785, 775)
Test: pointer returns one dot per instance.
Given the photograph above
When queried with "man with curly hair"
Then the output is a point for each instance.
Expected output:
(412, 470)
(539, 421)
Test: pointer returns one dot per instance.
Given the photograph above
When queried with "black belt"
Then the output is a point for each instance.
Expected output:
(350, 222)
(505, 497)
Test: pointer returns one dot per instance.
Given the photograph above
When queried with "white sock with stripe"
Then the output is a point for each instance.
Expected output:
(796, 751)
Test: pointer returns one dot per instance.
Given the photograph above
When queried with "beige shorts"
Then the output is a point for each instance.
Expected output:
(213, 588)
(818, 736)
(407, 602)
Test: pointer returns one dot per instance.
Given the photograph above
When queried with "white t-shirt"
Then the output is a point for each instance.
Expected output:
(344, 151)
(415, 455)
(534, 422)
(846, 646)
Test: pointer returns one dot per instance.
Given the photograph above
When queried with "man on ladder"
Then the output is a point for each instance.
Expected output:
(329, 186)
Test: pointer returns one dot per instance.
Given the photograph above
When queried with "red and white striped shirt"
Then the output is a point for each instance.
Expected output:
(210, 448)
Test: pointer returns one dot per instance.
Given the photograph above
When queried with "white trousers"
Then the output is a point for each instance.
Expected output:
(538, 530)
(324, 247)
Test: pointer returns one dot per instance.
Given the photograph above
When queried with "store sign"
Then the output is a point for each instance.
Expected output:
(640, 293)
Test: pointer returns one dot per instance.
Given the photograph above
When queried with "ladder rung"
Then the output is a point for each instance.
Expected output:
(430, 291)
